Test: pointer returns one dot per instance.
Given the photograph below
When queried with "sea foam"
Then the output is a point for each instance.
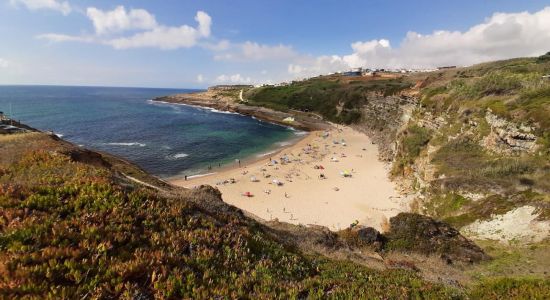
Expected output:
(127, 144)
(178, 156)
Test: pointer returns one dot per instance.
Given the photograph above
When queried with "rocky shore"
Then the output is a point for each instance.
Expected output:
(302, 120)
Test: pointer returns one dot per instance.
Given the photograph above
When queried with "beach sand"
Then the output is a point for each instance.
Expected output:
(368, 196)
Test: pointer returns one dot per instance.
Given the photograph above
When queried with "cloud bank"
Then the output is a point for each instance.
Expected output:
(110, 27)
(233, 79)
(503, 35)
(500, 36)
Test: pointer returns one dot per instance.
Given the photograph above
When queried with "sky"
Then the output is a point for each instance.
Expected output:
(195, 44)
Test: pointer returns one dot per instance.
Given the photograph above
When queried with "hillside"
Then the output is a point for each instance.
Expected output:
(75, 225)
(471, 144)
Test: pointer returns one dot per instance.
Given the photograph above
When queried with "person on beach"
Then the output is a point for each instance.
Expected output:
(185, 177)
(239, 161)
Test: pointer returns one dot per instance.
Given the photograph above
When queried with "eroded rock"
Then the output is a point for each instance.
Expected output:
(418, 233)
(507, 137)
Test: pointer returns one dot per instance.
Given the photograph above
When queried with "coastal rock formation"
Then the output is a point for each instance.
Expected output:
(519, 224)
(507, 137)
(383, 117)
(423, 234)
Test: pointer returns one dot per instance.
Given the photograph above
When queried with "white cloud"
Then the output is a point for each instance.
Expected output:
(200, 78)
(56, 37)
(151, 33)
(250, 51)
(160, 37)
(312, 66)
(503, 35)
(60, 6)
(235, 78)
(205, 22)
(118, 19)
(3, 63)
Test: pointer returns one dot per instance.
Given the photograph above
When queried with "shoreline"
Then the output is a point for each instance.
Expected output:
(245, 161)
(215, 106)
(331, 177)
(302, 121)
(367, 196)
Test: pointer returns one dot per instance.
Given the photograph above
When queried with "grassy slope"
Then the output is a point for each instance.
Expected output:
(74, 230)
(71, 229)
(336, 99)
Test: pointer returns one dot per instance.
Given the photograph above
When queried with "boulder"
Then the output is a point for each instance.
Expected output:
(422, 234)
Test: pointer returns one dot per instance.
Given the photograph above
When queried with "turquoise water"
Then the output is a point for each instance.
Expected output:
(164, 139)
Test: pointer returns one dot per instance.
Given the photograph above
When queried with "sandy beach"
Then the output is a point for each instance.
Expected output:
(331, 178)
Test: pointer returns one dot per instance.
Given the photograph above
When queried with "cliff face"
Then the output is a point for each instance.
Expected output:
(476, 154)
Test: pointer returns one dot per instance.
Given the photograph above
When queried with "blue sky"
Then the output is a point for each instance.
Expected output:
(199, 43)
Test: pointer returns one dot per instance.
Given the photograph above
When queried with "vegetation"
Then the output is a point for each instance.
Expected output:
(413, 140)
(71, 230)
(512, 288)
(336, 100)
(72, 225)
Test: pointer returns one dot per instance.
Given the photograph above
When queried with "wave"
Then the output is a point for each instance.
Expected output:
(127, 144)
(296, 131)
(284, 144)
(178, 156)
(197, 107)
(200, 175)
(59, 135)
(267, 153)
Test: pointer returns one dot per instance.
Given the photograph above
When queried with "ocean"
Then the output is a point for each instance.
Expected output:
(167, 140)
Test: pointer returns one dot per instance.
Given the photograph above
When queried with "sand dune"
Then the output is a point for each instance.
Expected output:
(356, 184)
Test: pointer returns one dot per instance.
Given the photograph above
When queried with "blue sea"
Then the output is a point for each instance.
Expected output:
(166, 140)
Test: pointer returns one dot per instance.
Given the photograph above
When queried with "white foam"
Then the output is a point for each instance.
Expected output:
(197, 107)
(59, 135)
(284, 144)
(178, 156)
(127, 144)
(200, 175)
(267, 153)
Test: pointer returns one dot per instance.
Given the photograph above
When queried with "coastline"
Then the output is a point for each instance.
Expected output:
(302, 121)
(367, 196)
(288, 185)
(245, 161)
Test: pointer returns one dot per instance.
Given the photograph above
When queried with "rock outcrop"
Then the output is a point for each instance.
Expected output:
(425, 235)
(507, 137)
